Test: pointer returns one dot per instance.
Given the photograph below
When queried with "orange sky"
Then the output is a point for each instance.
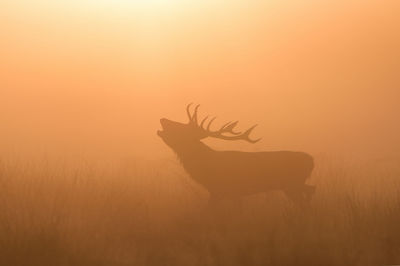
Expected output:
(94, 77)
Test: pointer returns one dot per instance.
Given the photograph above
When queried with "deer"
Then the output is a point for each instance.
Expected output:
(236, 174)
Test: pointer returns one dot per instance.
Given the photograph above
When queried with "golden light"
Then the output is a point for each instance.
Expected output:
(131, 4)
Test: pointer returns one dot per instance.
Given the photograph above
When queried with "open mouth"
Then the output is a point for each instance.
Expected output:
(161, 131)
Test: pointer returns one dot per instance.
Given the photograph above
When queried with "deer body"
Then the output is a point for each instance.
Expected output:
(233, 174)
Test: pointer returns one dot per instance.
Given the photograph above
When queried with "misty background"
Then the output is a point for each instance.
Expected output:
(86, 80)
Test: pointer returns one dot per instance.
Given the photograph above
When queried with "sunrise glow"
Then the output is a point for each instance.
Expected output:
(104, 161)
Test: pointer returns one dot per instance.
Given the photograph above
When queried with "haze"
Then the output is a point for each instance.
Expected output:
(80, 78)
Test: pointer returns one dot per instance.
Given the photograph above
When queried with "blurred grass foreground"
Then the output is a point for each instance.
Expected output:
(151, 213)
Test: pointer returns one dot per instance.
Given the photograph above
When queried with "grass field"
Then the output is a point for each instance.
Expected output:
(151, 213)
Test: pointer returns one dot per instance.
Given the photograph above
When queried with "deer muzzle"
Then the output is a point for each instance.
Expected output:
(163, 122)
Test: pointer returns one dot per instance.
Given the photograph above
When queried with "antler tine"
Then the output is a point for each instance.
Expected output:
(247, 135)
(229, 128)
(188, 112)
(209, 124)
(202, 122)
(194, 118)
(224, 126)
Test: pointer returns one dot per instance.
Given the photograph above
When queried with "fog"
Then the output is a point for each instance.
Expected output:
(87, 178)
(87, 80)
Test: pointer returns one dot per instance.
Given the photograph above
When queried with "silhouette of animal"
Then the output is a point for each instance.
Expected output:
(234, 174)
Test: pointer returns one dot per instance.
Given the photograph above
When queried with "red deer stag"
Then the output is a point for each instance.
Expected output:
(233, 174)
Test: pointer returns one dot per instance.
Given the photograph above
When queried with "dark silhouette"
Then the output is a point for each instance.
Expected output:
(233, 174)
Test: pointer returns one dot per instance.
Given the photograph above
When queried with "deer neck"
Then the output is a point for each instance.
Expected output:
(193, 153)
(194, 157)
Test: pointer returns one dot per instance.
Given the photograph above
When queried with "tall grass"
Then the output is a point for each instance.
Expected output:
(153, 214)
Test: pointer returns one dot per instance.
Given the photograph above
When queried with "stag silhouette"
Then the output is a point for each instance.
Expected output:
(234, 174)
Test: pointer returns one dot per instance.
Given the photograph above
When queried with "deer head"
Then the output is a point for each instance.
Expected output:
(175, 133)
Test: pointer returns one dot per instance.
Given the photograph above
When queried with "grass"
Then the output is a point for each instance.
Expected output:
(153, 214)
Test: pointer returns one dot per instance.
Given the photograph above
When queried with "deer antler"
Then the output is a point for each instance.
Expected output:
(227, 128)
(192, 118)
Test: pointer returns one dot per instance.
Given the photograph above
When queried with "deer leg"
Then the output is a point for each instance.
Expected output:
(296, 195)
(309, 192)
